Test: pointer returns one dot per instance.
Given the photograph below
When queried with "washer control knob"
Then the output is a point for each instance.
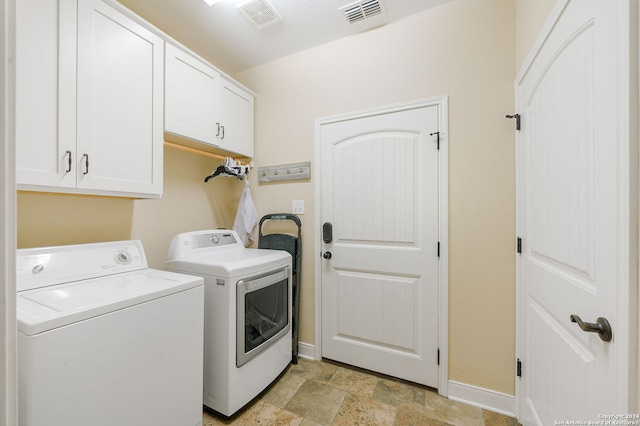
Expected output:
(123, 257)
(215, 239)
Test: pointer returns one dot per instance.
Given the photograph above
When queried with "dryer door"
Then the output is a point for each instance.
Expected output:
(263, 311)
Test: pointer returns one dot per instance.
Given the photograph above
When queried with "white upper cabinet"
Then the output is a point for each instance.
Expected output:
(204, 109)
(97, 130)
(91, 95)
(120, 86)
(46, 92)
(191, 97)
(237, 119)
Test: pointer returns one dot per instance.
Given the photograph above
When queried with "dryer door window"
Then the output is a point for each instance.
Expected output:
(264, 312)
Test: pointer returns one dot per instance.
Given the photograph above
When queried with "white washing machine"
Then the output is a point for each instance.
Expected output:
(247, 340)
(104, 340)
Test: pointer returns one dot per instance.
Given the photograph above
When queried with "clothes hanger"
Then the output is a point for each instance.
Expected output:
(226, 171)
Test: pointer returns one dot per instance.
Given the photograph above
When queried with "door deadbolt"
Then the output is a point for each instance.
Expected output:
(327, 255)
(327, 232)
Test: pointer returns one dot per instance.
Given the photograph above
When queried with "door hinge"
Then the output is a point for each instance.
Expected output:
(519, 368)
(519, 245)
(438, 356)
(438, 249)
(517, 117)
(437, 139)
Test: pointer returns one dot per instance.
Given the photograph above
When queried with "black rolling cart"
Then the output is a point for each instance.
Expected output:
(293, 245)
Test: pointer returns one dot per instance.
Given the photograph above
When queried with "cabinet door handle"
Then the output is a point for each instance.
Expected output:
(69, 163)
(86, 163)
(222, 127)
(218, 134)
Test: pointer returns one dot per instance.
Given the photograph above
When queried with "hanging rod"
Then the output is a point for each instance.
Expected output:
(195, 151)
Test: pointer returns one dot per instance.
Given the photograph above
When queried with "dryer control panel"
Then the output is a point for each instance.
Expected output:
(198, 242)
(213, 239)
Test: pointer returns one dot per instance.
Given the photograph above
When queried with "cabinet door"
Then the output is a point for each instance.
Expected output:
(237, 119)
(120, 87)
(191, 97)
(46, 92)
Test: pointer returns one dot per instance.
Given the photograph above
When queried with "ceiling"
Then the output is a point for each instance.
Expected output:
(223, 35)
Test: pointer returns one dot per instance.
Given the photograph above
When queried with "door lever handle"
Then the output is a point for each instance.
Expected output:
(601, 326)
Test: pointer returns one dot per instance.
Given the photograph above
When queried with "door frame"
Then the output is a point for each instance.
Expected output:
(441, 102)
(8, 357)
(627, 362)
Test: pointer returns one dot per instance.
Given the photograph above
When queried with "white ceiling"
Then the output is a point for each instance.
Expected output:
(225, 37)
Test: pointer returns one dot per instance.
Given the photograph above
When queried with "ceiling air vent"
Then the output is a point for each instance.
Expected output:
(361, 10)
(260, 13)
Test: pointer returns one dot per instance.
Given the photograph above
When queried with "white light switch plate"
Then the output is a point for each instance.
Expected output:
(297, 207)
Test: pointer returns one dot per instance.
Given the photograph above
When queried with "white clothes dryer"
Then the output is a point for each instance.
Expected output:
(247, 340)
(104, 340)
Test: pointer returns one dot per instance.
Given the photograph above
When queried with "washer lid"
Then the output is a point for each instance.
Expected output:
(45, 308)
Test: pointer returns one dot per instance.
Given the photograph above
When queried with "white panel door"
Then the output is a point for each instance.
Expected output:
(120, 108)
(573, 214)
(46, 92)
(379, 191)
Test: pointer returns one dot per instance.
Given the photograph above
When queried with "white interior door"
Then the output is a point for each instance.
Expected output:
(379, 191)
(573, 215)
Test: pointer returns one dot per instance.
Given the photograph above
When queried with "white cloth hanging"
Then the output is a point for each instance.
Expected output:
(246, 216)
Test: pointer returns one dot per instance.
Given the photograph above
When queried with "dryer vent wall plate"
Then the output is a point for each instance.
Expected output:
(260, 13)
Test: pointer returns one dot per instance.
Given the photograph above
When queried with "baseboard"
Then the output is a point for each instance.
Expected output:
(497, 402)
(306, 350)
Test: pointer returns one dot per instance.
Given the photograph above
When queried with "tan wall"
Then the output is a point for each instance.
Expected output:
(464, 49)
(187, 204)
(531, 16)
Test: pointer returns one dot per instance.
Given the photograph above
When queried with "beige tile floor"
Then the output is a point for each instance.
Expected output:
(324, 393)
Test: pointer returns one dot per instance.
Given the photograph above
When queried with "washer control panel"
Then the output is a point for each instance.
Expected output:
(40, 267)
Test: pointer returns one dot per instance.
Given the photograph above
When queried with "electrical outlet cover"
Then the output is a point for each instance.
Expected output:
(297, 207)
